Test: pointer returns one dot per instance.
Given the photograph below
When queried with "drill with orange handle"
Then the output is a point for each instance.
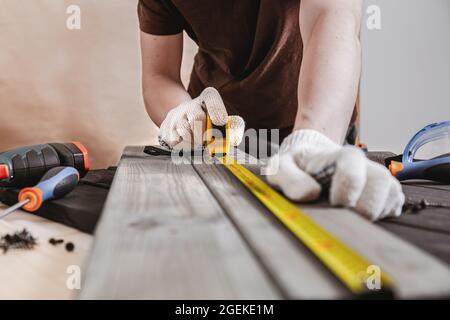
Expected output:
(56, 183)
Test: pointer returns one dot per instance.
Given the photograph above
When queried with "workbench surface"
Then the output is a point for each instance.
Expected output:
(429, 228)
(195, 232)
(183, 231)
(42, 273)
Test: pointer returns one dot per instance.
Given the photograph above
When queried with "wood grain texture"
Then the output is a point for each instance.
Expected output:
(163, 236)
(416, 273)
(433, 242)
(296, 271)
(427, 184)
(436, 220)
(183, 231)
(434, 194)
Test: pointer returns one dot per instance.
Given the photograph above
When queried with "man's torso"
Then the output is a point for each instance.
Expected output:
(249, 50)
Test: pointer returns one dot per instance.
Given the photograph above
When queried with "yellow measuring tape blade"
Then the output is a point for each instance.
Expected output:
(350, 267)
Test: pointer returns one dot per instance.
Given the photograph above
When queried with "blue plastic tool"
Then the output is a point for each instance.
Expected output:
(56, 183)
(436, 168)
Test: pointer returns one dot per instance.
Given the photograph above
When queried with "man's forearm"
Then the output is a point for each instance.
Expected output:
(161, 83)
(330, 72)
(161, 94)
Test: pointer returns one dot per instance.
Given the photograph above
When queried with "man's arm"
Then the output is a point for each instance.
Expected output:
(331, 66)
(309, 160)
(161, 82)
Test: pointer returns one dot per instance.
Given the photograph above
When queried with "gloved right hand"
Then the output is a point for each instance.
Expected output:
(184, 125)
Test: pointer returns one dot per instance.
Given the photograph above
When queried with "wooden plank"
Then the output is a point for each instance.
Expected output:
(416, 273)
(431, 219)
(427, 184)
(379, 156)
(297, 272)
(433, 195)
(433, 242)
(162, 235)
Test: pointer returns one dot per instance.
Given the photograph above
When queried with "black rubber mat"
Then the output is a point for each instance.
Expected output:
(80, 209)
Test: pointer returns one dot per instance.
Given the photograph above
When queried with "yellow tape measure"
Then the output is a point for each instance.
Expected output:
(345, 263)
(348, 266)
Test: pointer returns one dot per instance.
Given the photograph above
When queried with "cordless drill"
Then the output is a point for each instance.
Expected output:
(24, 167)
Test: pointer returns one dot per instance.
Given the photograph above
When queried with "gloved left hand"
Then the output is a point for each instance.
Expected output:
(309, 162)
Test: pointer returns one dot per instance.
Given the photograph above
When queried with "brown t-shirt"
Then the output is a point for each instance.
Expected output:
(250, 50)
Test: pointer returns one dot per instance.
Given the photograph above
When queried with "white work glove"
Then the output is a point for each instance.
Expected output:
(184, 125)
(308, 162)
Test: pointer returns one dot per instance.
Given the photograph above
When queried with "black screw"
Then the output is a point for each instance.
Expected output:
(18, 240)
(70, 246)
(54, 242)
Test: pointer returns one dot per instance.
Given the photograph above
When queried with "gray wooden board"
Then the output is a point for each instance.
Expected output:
(434, 195)
(297, 272)
(415, 272)
(193, 246)
(427, 184)
(433, 242)
(427, 224)
(431, 219)
(163, 236)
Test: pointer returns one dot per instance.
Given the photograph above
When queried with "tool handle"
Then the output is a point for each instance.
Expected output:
(56, 183)
(217, 142)
(24, 167)
(439, 172)
(435, 169)
(26, 164)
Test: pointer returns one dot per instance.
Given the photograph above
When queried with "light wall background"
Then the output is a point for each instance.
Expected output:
(406, 71)
(59, 85)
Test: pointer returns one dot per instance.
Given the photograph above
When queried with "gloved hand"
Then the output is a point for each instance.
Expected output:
(308, 161)
(184, 125)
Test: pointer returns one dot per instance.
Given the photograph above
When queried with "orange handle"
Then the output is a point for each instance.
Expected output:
(395, 167)
(34, 195)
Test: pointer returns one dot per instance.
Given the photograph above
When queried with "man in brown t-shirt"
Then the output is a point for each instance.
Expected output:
(278, 64)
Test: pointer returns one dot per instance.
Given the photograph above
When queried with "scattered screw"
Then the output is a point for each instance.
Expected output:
(417, 207)
(18, 240)
(55, 242)
(70, 246)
